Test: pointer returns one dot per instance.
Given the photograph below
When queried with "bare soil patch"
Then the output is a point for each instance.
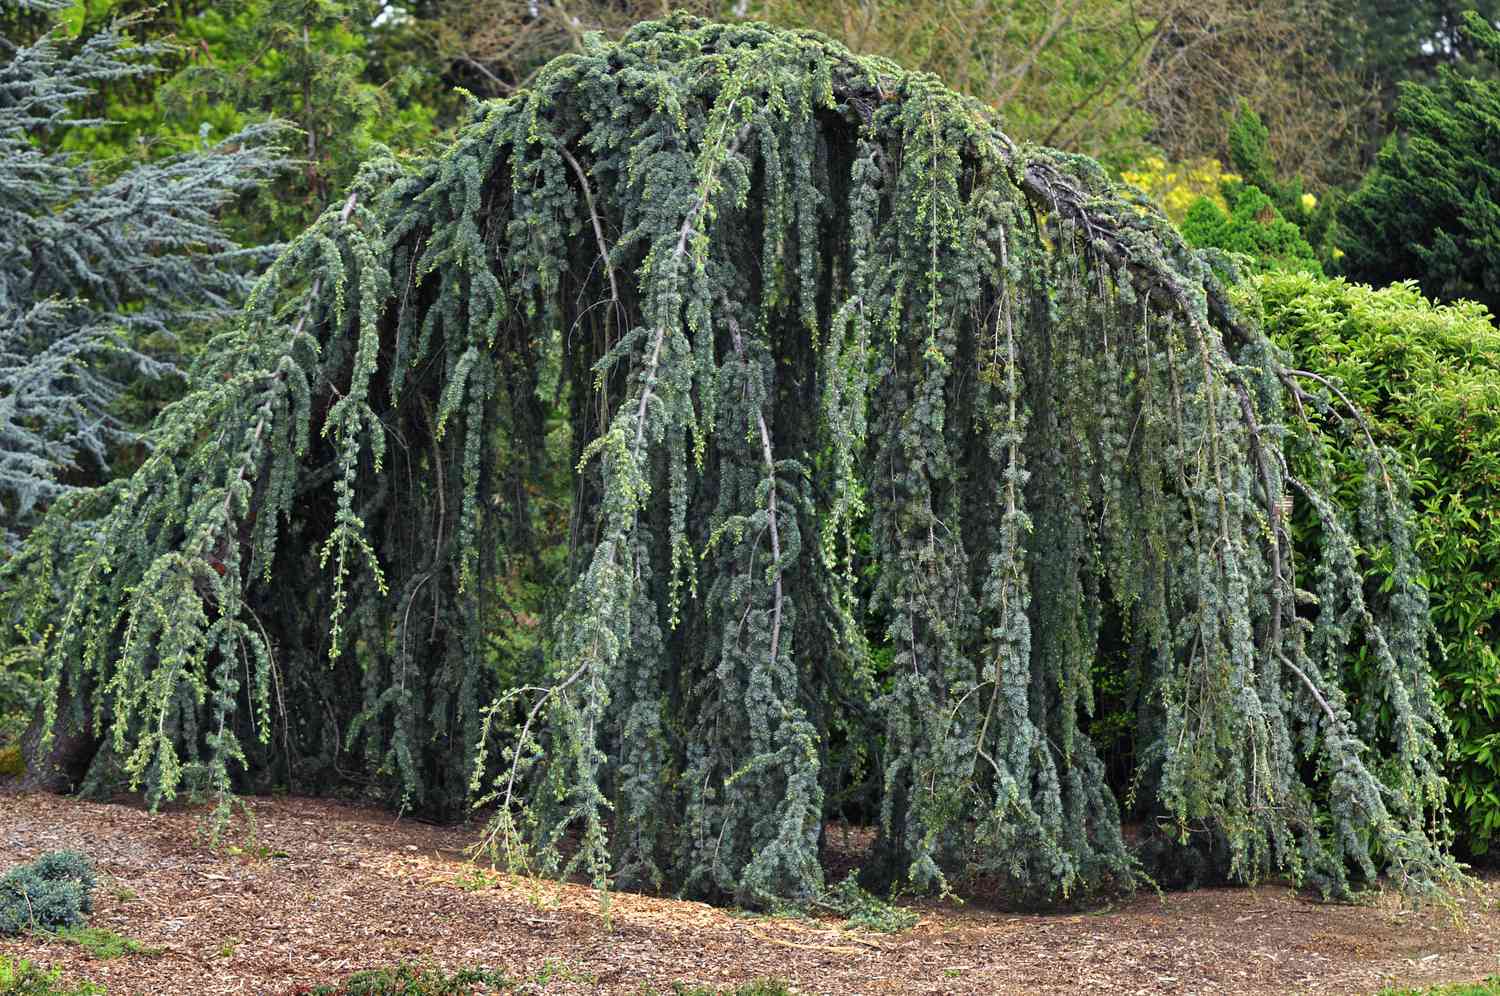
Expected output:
(323, 889)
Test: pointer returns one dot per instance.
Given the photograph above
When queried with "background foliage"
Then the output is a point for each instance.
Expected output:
(1253, 228)
(103, 272)
(346, 76)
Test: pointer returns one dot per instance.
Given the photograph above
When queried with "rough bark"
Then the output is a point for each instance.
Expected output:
(60, 765)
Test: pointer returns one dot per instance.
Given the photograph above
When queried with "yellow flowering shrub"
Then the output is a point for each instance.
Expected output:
(1176, 186)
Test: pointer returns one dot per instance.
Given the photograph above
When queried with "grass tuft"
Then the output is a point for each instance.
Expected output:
(100, 942)
(760, 987)
(1487, 987)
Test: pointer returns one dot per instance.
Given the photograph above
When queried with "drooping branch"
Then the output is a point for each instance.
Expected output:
(841, 304)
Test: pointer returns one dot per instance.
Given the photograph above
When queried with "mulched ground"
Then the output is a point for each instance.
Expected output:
(323, 889)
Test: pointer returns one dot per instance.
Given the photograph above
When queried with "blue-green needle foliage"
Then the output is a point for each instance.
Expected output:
(54, 891)
(791, 296)
(98, 273)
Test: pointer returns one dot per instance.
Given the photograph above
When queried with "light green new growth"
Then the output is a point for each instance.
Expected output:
(816, 320)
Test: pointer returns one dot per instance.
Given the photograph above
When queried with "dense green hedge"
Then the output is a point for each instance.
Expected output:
(1429, 375)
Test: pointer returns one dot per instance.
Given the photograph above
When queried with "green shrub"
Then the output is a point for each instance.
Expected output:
(1250, 156)
(1429, 377)
(1276, 224)
(21, 978)
(53, 891)
(1254, 226)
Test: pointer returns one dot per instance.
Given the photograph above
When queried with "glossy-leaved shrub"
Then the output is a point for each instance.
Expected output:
(1428, 377)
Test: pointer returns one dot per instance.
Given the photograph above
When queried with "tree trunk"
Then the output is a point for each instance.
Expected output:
(61, 766)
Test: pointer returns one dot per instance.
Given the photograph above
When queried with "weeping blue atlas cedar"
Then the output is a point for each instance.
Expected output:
(881, 435)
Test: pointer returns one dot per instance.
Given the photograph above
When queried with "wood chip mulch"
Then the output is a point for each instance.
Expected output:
(322, 889)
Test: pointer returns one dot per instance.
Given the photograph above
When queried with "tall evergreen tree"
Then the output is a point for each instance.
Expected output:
(305, 62)
(790, 295)
(1408, 42)
(98, 273)
(1428, 209)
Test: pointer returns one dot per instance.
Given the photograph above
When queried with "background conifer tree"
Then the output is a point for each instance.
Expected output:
(1428, 210)
(100, 272)
(305, 62)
